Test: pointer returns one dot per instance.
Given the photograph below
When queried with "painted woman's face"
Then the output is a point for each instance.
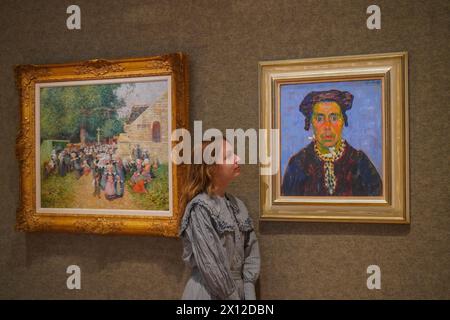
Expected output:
(327, 121)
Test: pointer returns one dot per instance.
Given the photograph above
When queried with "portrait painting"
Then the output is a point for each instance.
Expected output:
(331, 139)
(340, 121)
(98, 157)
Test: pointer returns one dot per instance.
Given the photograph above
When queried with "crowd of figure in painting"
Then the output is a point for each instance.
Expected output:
(108, 170)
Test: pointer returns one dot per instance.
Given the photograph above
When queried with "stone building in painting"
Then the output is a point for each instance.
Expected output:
(146, 126)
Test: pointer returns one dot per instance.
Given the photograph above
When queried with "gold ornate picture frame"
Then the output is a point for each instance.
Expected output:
(94, 146)
(363, 174)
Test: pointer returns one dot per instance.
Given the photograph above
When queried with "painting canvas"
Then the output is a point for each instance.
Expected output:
(339, 139)
(110, 149)
(94, 146)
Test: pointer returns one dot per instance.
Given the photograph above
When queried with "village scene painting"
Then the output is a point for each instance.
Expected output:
(104, 146)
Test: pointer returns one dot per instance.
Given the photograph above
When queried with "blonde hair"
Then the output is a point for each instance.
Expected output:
(199, 177)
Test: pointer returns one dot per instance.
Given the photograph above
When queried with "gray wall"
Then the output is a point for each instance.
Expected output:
(225, 40)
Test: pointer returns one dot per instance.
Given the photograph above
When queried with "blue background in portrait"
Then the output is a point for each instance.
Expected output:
(364, 131)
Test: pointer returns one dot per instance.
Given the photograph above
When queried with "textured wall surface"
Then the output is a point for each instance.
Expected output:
(225, 40)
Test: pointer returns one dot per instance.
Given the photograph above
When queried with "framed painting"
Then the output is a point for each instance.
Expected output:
(341, 139)
(94, 145)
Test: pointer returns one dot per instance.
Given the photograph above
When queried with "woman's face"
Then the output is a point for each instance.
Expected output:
(229, 168)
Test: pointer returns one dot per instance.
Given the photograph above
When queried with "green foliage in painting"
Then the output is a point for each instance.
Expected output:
(69, 112)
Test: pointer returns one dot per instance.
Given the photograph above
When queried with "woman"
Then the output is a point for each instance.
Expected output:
(219, 242)
(110, 190)
(86, 168)
(146, 173)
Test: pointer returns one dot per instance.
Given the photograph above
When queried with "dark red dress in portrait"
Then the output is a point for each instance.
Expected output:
(354, 174)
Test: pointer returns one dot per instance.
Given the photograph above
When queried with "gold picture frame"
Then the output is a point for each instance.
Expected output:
(171, 74)
(279, 104)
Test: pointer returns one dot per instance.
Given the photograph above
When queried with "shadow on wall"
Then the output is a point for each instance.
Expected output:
(331, 228)
(104, 251)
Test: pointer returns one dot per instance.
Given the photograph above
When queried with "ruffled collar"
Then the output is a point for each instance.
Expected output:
(204, 200)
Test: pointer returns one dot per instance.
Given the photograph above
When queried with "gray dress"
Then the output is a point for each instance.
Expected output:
(220, 246)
